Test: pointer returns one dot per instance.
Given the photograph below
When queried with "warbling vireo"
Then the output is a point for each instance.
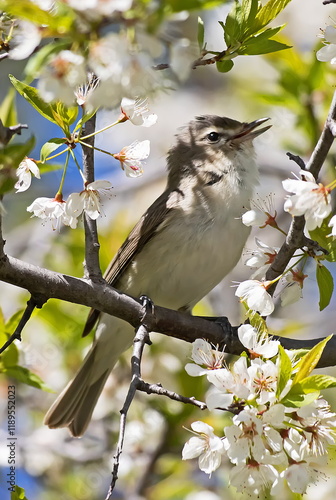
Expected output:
(181, 248)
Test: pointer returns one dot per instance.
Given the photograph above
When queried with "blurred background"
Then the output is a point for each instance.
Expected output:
(52, 465)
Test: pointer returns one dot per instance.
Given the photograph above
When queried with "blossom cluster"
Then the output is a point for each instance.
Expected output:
(123, 65)
(88, 200)
(272, 440)
(308, 198)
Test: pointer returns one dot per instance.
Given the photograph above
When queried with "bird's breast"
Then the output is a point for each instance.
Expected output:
(188, 256)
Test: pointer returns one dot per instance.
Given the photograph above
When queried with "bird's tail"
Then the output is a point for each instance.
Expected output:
(73, 408)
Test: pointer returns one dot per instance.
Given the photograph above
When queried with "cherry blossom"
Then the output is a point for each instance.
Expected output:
(310, 199)
(255, 294)
(228, 384)
(62, 75)
(261, 214)
(261, 258)
(258, 344)
(26, 37)
(332, 224)
(293, 289)
(136, 112)
(130, 157)
(205, 445)
(243, 440)
(52, 209)
(253, 477)
(203, 354)
(24, 173)
(328, 52)
(87, 201)
(263, 379)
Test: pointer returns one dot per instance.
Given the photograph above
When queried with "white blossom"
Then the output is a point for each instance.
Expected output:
(263, 380)
(243, 440)
(136, 112)
(52, 209)
(332, 224)
(60, 78)
(26, 37)
(228, 384)
(261, 214)
(24, 173)
(310, 199)
(253, 477)
(123, 71)
(205, 356)
(259, 344)
(328, 52)
(205, 445)
(131, 157)
(261, 258)
(255, 294)
(87, 201)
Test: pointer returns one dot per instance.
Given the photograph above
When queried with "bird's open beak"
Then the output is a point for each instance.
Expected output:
(248, 131)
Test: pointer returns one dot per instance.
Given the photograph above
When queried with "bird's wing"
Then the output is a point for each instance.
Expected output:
(142, 232)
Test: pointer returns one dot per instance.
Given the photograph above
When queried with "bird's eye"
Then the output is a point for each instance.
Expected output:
(213, 136)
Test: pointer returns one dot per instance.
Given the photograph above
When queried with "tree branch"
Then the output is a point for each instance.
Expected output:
(31, 304)
(49, 284)
(296, 238)
(91, 265)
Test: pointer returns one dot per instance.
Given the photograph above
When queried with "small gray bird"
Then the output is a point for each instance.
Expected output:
(181, 248)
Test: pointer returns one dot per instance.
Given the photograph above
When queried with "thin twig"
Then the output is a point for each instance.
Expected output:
(2, 241)
(161, 391)
(31, 304)
(297, 160)
(6, 133)
(91, 266)
(325, 141)
(141, 338)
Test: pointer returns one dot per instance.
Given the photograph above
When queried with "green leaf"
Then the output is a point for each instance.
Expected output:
(297, 398)
(325, 283)
(49, 167)
(32, 96)
(84, 119)
(26, 376)
(317, 383)
(200, 32)
(13, 321)
(321, 235)
(258, 47)
(8, 113)
(67, 114)
(18, 494)
(60, 21)
(255, 319)
(270, 11)
(10, 357)
(179, 5)
(49, 147)
(285, 370)
(307, 364)
(55, 112)
(224, 66)
(237, 21)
